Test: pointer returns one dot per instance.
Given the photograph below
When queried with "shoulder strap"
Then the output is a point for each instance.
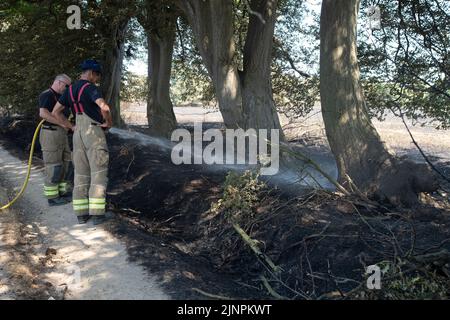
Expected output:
(77, 104)
(79, 96)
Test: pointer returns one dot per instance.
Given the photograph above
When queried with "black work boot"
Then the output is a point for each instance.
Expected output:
(57, 202)
(97, 220)
(67, 197)
(83, 219)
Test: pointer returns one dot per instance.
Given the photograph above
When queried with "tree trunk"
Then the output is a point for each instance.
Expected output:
(245, 99)
(161, 117)
(362, 158)
(159, 21)
(258, 105)
(113, 66)
(212, 24)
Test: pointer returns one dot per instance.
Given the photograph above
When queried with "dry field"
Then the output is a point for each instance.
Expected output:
(311, 131)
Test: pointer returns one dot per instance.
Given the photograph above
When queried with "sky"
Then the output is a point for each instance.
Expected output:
(139, 65)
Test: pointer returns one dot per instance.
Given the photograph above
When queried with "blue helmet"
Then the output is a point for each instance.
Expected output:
(91, 65)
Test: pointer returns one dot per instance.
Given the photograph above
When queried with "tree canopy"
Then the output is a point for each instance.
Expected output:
(405, 61)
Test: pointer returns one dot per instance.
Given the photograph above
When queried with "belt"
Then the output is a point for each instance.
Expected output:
(51, 128)
(98, 125)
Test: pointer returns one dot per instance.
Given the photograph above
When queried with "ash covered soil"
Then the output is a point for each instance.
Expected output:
(321, 241)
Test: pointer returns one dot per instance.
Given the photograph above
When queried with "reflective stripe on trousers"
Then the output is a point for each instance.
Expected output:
(57, 159)
(90, 159)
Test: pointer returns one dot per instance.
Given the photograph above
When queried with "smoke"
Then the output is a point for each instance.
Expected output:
(295, 177)
(144, 139)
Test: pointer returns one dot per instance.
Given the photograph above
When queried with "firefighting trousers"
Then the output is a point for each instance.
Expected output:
(57, 160)
(90, 158)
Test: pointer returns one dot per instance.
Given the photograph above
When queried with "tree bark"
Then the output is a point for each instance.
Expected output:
(161, 118)
(212, 24)
(159, 23)
(362, 159)
(245, 98)
(113, 66)
(258, 104)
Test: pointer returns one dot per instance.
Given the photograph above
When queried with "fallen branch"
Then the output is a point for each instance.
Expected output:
(439, 258)
(272, 292)
(253, 245)
(210, 295)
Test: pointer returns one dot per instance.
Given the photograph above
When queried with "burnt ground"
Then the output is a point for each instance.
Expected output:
(321, 241)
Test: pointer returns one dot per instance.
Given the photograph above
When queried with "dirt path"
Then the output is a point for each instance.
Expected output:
(6, 234)
(74, 261)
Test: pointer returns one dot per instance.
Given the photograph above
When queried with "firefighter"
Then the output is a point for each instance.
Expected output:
(55, 145)
(90, 150)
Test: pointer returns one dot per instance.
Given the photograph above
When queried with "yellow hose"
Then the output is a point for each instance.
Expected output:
(30, 160)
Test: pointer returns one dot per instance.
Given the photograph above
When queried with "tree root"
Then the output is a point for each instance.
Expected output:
(400, 182)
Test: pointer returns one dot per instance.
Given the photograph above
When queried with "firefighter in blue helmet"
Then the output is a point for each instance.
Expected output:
(90, 150)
